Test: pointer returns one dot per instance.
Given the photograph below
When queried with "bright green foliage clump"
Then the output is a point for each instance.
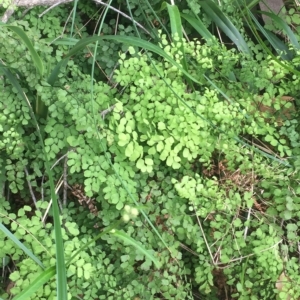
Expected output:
(190, 156)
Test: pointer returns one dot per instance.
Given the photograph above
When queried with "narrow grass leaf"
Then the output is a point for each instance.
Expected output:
(73, 17)
(60, 260)
(59, 246)
(251, 3)
(198, 26)
(283, 25)
(175, 20)
(176, 28)
(68, 41)
(20, 245)
(284, 56)
(225, 25)
(162, 7)
(246, 4)
(54, 74)
(133, 242)
(36, 284)
(157, 18)
(41, 108)
(281, 48)
(35, 57)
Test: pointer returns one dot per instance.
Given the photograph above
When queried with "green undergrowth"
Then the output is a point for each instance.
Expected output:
(216, 173)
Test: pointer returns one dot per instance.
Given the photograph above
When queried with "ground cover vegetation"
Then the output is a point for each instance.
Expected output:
(150, 151)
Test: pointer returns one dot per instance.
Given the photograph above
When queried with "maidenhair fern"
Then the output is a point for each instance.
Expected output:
(188, 154)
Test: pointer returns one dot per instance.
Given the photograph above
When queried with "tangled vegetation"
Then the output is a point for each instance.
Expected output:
(174, 161)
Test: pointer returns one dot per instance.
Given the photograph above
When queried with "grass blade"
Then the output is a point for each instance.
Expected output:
(36, 284)
(198, 26)
(251, 3)
(20, 245)
(23, 36)
(248, 15)
(154, 32)
(175, 20)
(41, 109)
(281, 48)
(60, 260)
(176, 28)
(132, 242)
(225, 25)
(67, 41)
(284, 27)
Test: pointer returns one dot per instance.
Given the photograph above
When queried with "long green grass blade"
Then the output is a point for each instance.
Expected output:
(246, 4)
(67, 41)
(60, 260)
(251, 3)
(154, 33)
(176, 28)
(73, 17)
(35, 57)
(281, 48)
(284, 26)
(198, 26)
(175, 20)
(20, 245)
(40, 108)
(36, 284)
(213, 11)
(284, 56)
(132, 242)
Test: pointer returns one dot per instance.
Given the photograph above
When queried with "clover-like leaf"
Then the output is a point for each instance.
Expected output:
(148, 161)
(160, 146)
(123, 139)
(129, 149)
